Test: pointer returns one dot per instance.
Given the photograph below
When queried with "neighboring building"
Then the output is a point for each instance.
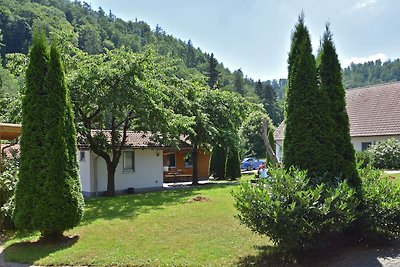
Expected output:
(374, 115)
(142, 167)
(9, 131)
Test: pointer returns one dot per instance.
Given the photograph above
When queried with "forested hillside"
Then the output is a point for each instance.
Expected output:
(94, 32)
(370, 73)
(97, 31)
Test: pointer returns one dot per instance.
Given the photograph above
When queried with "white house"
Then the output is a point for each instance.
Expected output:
(140, 167)
(374, 115)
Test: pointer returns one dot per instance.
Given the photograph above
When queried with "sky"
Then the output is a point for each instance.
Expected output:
(254, 35)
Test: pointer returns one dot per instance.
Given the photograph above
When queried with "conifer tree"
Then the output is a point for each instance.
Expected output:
(238, 82)
(218, 162)
(33, 165)
(343, 164)
(213, 73)
(306, 143)
(57, 202)
(233, 164)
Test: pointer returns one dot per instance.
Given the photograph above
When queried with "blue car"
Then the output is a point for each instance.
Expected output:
(250, 163)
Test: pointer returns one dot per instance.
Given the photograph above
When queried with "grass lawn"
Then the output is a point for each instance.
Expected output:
(154, 229)
(393, 175)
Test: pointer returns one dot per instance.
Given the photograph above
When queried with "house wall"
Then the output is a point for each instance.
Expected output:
(85, 172)
(203, 161)
(148, 173)
(356, 141)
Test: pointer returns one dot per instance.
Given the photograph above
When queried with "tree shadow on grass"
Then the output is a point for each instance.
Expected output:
(130, 206)
(31, 252)
(338, 254)
(267, 256)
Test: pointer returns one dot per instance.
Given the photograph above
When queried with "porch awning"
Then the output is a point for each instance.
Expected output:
(9, 131)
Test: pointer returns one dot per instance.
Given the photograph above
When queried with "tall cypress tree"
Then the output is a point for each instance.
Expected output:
(330, 74)
(233, 164)
(213, 73)
(306, 143)
(33, 166)
(57, 202)
(238, 82)
(218, 162)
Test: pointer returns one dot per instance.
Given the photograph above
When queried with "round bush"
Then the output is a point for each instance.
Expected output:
(292, 212)
(386, 154)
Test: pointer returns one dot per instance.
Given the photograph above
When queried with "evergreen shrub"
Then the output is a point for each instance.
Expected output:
(379, 217)
(363, 159)
(293, 212)
(8, 181)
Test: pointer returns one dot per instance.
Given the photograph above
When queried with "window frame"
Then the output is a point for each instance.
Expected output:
(82, 155)
(169, 162)
(132, 168)
(365, 145)
(187, 156)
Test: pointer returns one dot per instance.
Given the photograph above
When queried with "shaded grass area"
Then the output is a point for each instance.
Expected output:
(154, 229)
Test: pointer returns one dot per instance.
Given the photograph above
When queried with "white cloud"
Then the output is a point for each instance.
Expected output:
(365, 4)
(357, 60)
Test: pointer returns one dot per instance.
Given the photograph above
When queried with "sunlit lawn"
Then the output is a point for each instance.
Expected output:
(395, 176)
(154, 229)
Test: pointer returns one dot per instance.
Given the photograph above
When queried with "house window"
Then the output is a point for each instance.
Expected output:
(82, 155)
(129, 161)
(171, 160)
(188, 159)
(365, 145)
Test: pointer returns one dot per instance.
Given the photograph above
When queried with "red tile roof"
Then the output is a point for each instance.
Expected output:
(136, 140)
(372, 110)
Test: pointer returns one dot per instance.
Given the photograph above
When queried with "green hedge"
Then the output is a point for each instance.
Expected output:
(294, 214)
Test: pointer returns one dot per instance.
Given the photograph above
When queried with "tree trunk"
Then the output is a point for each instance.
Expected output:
(110, 179)
(51, 236)
(195, 178)
(267, 144)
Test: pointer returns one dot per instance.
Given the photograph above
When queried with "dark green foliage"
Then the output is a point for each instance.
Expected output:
(379, 220)
(233, 164)
(62, 189)
(307, 143)
(49, 177)
(363, 159)
(190, 55)
(294, 214)
(218, 162)
(8, 181)
(238, 82)
(343, 162)
(385, 154)
(370, 73)
(213, 73)
(268, 97)
(33, 165)
(251, 132)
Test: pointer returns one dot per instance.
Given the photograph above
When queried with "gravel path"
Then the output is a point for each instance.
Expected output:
(383, 256)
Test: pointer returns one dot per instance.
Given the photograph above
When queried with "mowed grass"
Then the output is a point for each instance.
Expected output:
(153, 229)
(395, 176)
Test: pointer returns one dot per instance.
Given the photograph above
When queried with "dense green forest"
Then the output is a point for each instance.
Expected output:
(371, 72)
(96, 32)
(77, 25)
